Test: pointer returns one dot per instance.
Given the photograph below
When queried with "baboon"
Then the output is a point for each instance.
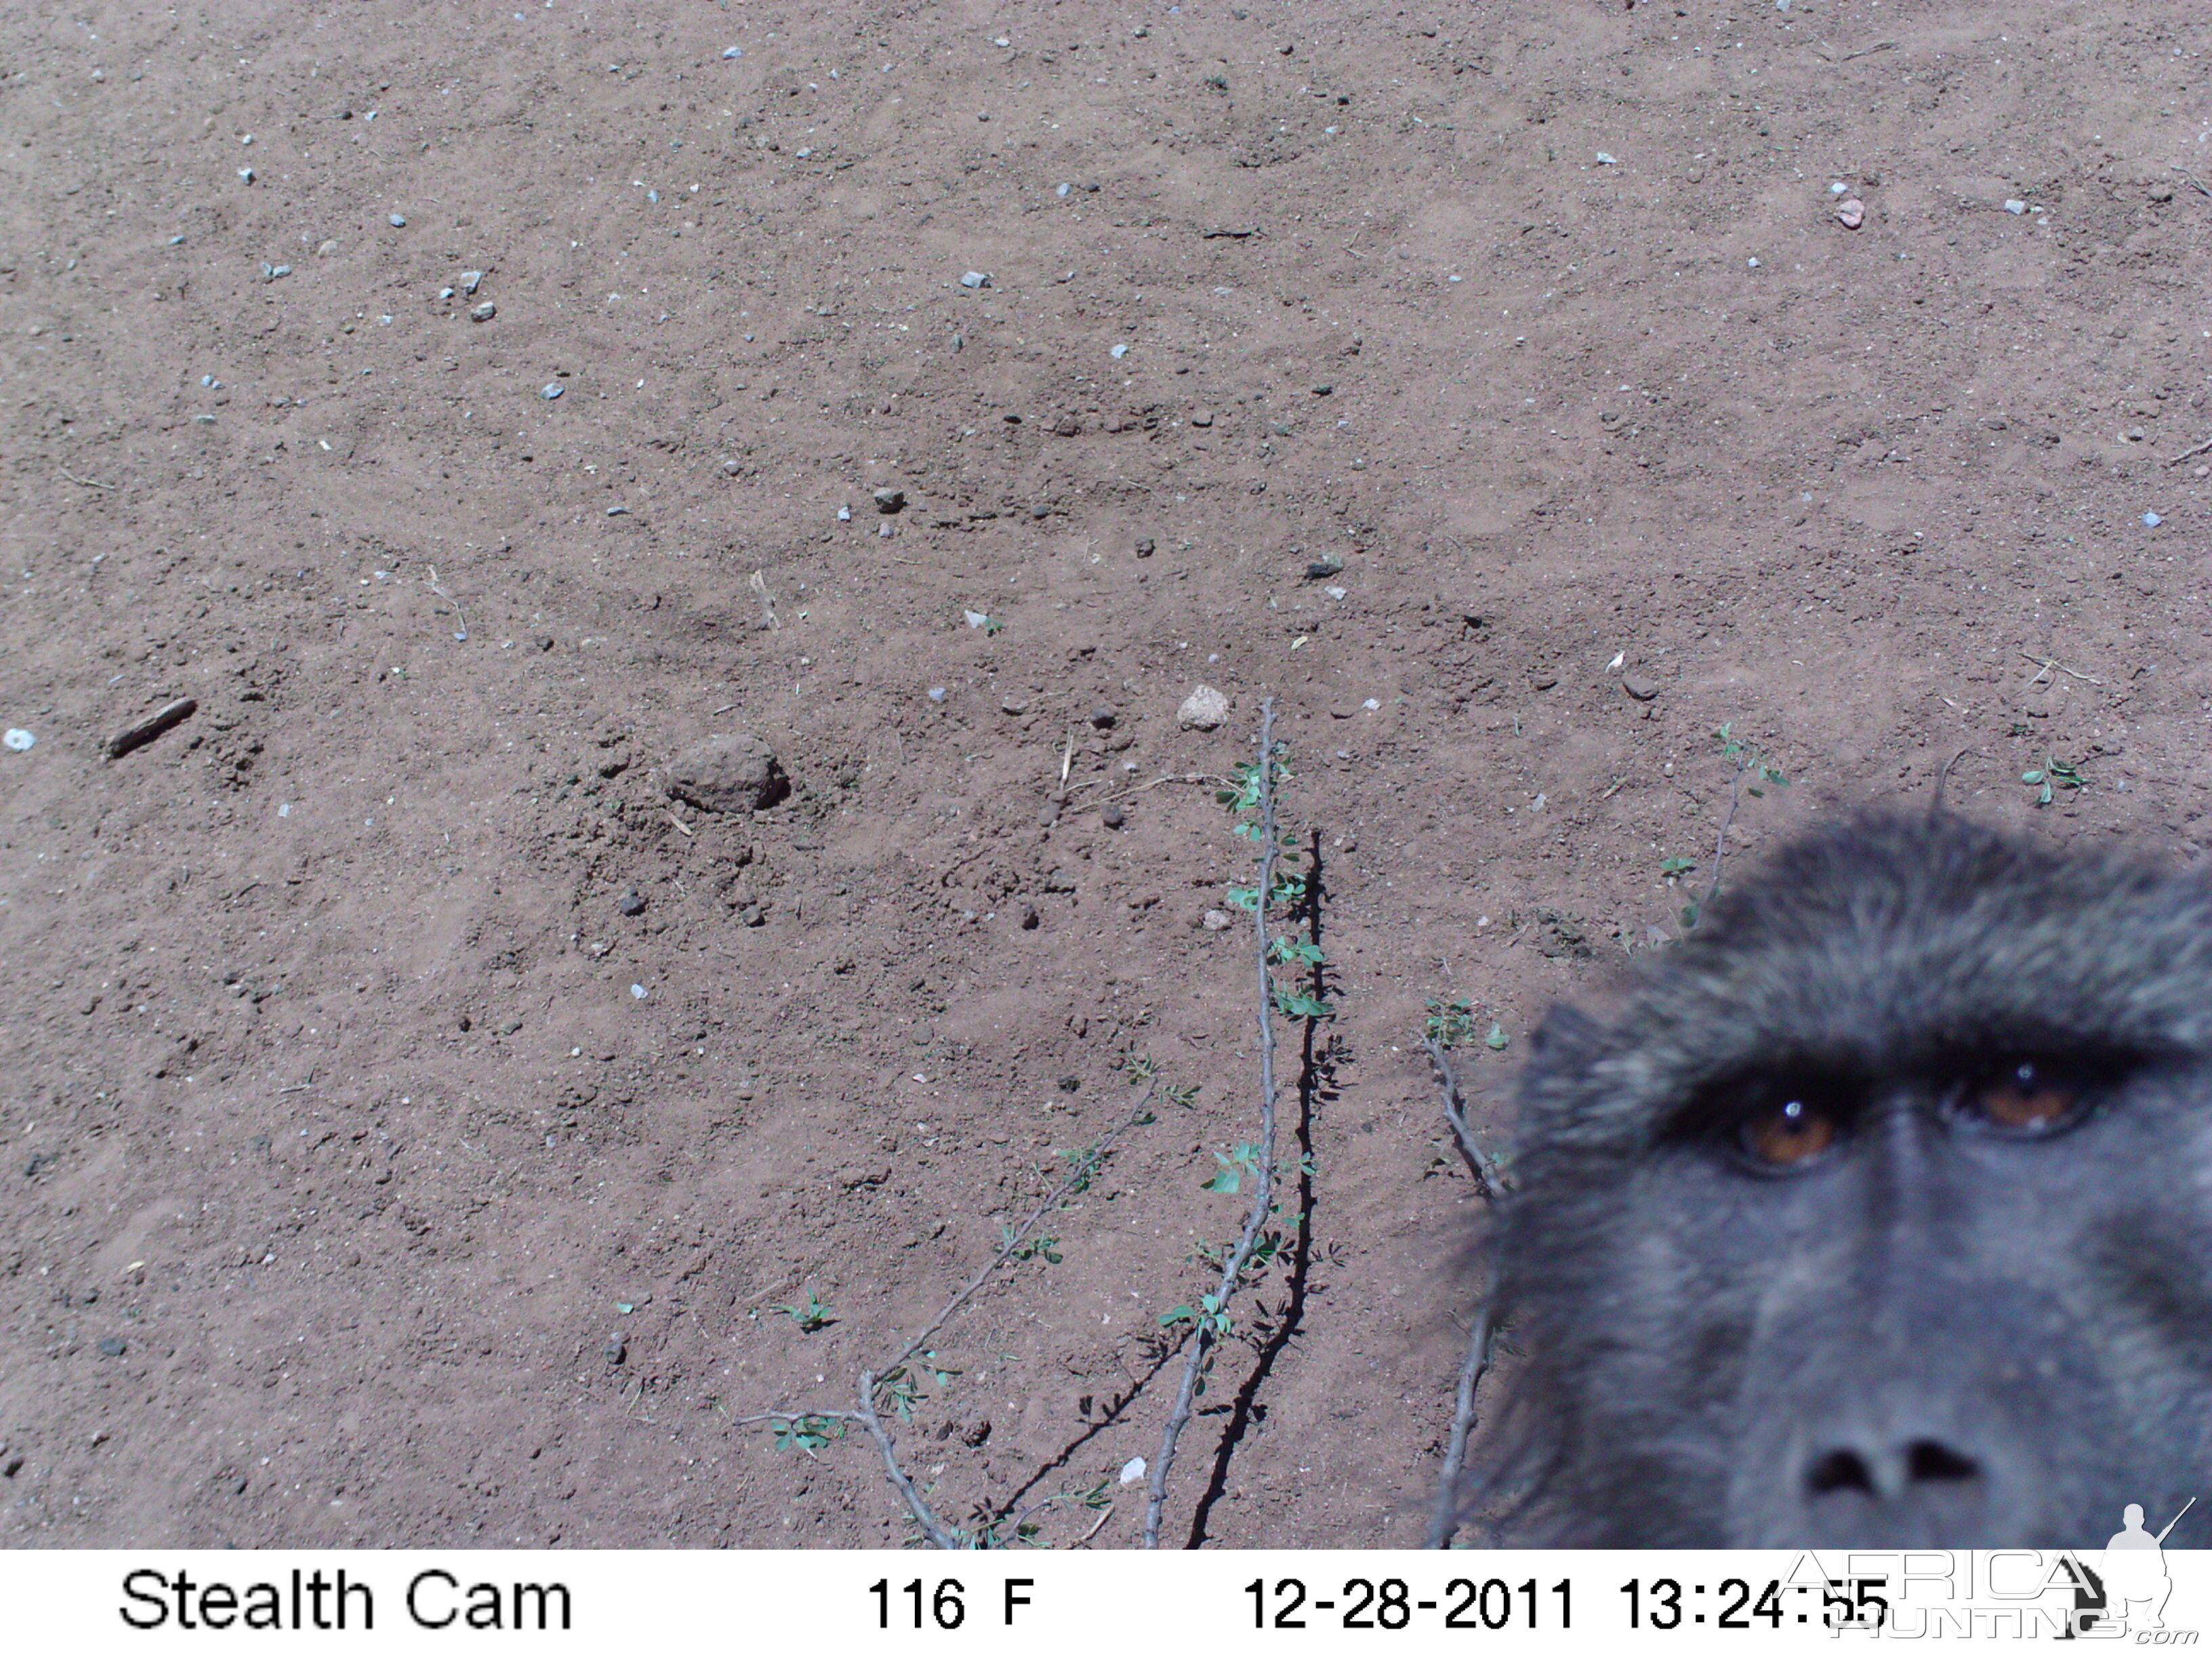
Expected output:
(1879, 1215)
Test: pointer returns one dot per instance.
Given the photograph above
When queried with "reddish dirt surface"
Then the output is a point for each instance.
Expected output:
(337, 1135)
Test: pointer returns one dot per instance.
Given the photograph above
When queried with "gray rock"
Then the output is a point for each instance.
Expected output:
(1203, 710)
(889, 500)
(736, 774)
(485, 312)
(1640, 687)
(631, 904)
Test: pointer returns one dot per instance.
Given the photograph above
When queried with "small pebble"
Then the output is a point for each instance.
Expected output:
(889, 499)
(1605, 160)
(734, 52)
(1144, 548)
(2151, 520)
(1640, 687)
(397, 221)
(1047, 815)
(1103, 718)
(730, 469)
(485, 312)
(1119, 352)
(1216, 921)
(1062, 191)
(631, 904)
(1837, 190)
(638, 991)
(1013, 706)
(1202, 417)
(246, 175)
(937, 694)
(616, 1350)
(18, 739)
(552, 390)
(2015, 207)
(112, 1346)
(975, 279)
(1112, 817)
(470, 279)
(1850, 213)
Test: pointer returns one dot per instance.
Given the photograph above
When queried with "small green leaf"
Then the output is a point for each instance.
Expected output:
(1497, 1039)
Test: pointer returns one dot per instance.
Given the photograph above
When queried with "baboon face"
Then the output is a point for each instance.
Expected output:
(1882, 1214)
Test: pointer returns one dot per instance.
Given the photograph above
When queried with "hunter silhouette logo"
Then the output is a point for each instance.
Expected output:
(2133, 1570)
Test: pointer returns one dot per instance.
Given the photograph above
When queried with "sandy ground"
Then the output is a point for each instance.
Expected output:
(418, 1123)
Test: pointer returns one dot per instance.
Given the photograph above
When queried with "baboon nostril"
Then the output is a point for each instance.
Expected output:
(1840, 1471)
(1930, 1460)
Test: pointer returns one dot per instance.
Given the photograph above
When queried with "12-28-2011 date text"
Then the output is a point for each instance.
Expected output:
(1393, 1604)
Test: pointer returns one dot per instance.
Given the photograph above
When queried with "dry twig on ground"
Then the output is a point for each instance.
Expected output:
(1490, 1180)
(1232, 1270)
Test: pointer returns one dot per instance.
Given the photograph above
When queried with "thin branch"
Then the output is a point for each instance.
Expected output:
(2048, 664)
(461, 616)
(1445, 1521)
(1720, 842)
(1479, 1164)
(867, 1417)
(1942, 778)
(930, 1525)
(1140, 788)
(1084, 1169)
(751, 1418)
(1232, 1270)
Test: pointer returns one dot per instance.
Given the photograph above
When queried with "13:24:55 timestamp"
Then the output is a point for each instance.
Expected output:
(1735, 1604)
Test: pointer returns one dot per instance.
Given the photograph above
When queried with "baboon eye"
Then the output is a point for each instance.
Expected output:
(2027, 1099)
(1790, 1132)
